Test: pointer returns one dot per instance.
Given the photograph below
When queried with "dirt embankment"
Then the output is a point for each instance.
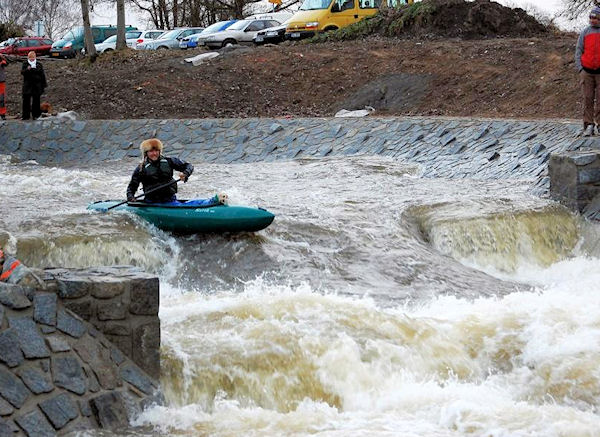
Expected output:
(530, 77)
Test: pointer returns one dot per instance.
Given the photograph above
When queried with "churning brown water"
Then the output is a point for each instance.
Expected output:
(377, 303)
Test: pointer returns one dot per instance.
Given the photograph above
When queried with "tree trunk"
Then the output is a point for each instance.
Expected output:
(90, 48)
(121, 42)
(175, 13)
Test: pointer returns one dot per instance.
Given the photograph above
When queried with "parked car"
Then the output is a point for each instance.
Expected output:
(197, 39)
(72, 43)
(23, 45)
(7, 42)
(148, 35)
(110, 43)
(240, 32)
(272, 35)
(170, 39)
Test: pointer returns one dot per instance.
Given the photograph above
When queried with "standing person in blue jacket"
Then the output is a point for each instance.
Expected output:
(587, 60)
(155, 170)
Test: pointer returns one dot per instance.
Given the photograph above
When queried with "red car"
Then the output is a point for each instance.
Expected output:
(23, 45)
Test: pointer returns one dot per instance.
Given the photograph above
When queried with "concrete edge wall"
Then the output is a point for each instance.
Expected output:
(453, 148)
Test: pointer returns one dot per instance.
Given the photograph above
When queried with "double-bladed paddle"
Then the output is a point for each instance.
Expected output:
(160, 187)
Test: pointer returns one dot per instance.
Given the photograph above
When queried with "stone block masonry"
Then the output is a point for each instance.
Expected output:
(58, 372)
(575, 181)
(120, 302)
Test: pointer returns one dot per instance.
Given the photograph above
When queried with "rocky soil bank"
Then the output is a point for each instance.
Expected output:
(435, 70)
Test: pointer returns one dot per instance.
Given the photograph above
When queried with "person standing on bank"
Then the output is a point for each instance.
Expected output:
(3, 64)
(34, 84)
(587, 61)
(155, 170)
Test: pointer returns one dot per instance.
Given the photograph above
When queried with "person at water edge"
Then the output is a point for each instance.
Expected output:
(34, 84)
(3, 64)
(155, 170)
(587, 61)
(13, 271)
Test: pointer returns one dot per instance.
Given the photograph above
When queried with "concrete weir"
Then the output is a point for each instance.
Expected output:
(67, 353)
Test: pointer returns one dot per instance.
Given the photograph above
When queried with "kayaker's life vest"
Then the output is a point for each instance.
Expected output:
(12, 269)
(155, 174)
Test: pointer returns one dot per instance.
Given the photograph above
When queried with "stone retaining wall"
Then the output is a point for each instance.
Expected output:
(453, 148)
(58, 373)
(120, 302)
(575, 181)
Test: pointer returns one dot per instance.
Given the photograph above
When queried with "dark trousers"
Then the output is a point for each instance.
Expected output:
(31, 106)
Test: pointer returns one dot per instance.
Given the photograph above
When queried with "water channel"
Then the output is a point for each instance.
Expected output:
(379, 302)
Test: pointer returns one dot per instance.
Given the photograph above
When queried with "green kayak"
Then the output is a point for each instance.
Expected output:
(182, 219)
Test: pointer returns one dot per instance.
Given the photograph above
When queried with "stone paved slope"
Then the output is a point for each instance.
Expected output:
(451, 148)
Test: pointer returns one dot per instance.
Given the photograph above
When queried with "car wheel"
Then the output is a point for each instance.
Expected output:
(162, 48)
(229, 42)
(330, 29)
(108, 50)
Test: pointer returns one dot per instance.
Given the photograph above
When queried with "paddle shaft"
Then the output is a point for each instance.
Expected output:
(160, 187)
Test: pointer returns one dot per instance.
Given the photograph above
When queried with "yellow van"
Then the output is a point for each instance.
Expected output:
(324, 15)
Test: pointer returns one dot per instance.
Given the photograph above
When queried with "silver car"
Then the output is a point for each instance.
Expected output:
(170, 39)
(240, 32)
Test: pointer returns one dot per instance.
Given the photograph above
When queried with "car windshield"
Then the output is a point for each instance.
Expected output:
(311, 5)
(111, 38)
(132, 35)
(171, 34)
(73, 34)
(239, 25)
(214, 27)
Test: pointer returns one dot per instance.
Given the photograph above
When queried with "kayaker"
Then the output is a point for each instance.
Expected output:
(155, 170)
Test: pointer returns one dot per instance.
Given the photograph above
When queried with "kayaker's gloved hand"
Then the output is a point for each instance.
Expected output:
(184, 177)
(131, 199)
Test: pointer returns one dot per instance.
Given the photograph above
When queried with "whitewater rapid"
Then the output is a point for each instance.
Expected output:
(379, 302)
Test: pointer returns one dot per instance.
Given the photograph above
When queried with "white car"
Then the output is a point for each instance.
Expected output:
(148, 35)
(197, 39)
(110, 43)
(169, 39)
(240, 32)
